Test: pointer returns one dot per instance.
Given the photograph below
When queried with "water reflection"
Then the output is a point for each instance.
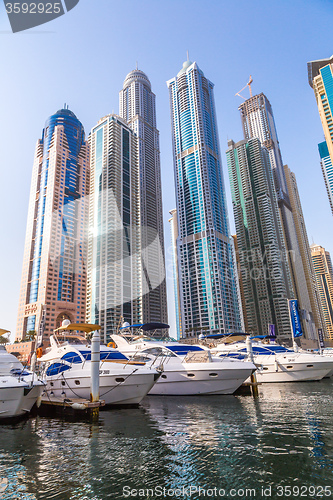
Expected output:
(283, 437)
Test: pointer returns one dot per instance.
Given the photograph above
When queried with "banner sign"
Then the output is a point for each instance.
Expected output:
(271, 332)
(321, 338)
(39, 339)
(295, 319)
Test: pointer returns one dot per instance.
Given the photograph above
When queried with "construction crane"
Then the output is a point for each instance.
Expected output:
(247, 85)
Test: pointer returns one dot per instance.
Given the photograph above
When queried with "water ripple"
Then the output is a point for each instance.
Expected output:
(283, 437)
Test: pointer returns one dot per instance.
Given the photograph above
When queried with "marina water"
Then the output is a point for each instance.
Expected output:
(277, 446)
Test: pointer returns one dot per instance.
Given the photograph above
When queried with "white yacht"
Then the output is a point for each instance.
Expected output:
(328, 351)
(19, 387)
(66, 366)
(276, 363)
(187, 369)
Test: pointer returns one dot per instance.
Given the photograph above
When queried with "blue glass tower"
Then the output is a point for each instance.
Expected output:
(54, 275)
(321, 80)
(327, 169)
(208, 285)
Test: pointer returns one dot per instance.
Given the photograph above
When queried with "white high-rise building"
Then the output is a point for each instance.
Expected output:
(137, 107)
(114, 285)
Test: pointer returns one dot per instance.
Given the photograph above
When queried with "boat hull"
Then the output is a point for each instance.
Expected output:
(300, 372)
(17, 397)
(121, 387)
(196, 380)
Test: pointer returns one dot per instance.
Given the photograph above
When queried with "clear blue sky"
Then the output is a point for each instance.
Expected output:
(83, 57)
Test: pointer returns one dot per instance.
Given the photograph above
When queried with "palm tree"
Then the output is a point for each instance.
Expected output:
(3, 340)
(30, 335)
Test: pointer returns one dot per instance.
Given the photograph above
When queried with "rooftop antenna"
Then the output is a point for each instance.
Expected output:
(188, 56)
(247, 85)
(136, 65)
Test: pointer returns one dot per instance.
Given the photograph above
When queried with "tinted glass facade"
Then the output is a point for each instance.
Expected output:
(264, 269)
(54, 268)
(115, 265)
(207, 282)
(137, 107)
(258, 122)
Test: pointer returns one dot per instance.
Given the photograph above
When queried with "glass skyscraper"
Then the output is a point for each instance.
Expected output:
(206, 268)
(54, 263)
(327, 169)
(258, 121)
(137, 106)
(176, 286)
(263, 262)
(320, 75)
(115, 262)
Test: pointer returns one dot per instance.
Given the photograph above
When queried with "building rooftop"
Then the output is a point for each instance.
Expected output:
(66, 112)
(315, 66)
(137, 75)
(186, 65)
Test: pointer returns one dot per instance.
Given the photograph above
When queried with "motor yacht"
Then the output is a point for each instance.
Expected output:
(187, 369)
(19, 387)
(276, 363)
(66, 366)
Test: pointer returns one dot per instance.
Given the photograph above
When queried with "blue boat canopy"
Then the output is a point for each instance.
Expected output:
(183, 348)
(221, 335)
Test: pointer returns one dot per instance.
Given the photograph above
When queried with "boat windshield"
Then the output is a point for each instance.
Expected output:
(72, 340)
(156, 351)
(145, 338)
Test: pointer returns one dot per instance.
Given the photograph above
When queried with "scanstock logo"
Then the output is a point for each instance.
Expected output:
(24, 14)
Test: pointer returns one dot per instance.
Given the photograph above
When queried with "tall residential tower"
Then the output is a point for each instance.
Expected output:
(55, 255)
(324, 274)
(115, 263)
(303, 242)
(264, 268)
(320, 75)
(137, 107)
(258, 121)
(207, 281)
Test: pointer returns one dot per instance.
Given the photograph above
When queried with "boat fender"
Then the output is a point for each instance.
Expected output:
(39, 352)
(39, 401)
(78, 406)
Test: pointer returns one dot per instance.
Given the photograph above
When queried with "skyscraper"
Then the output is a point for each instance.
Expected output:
(137, 107)
(262, 255)
(258, 121)
(324, 274)
(327, 170)
(54, 263)
(176, 285)
(317, 318)
(206, 268)
(115, 264)
(320, 75)
(241, 285)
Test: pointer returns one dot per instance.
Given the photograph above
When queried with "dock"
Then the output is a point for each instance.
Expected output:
(52, 405)
(246, 389)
